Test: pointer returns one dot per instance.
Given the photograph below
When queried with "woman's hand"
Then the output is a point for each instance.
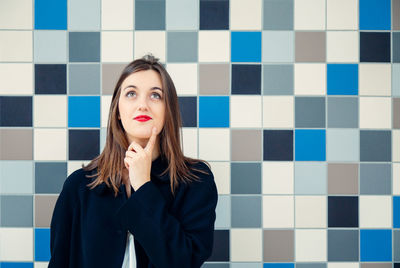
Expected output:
(138, 161)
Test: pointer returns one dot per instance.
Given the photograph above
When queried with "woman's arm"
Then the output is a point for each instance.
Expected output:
(60, 227)
(167, 240)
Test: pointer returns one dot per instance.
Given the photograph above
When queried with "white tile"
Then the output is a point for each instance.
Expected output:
(105, 109)
(190, 142)
(278, 212)
(184, 76)
(16, 14)
(375, 79)
(309, 15)
(278, 111)
(11, 72)
(214, 46)
(278, 177)
(50, 144)
(342, 14)
(150, 42)
(375, 112)
(245, 111)
(396, 178)
(74, 165)
(310, 245)
(222, 176)
(112, 51)
(375, 211)
(16, 244)
(117, 16)
(310, 211)
(41, 264)
(342, 46)
(246, 245)
(214, 144)
(15, 46)
(49, 111)
(344, 265)
(396, 145)
(309, 79)
(245, 15)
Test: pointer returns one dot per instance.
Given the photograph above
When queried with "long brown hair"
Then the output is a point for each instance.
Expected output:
(110, 163)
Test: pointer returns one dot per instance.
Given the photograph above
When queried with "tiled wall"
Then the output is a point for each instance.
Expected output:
(295, 103)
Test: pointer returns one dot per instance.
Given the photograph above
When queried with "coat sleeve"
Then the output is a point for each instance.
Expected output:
(60, 226)
(182, 241)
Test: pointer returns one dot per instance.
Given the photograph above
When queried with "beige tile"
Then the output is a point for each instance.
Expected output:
(245, 111)
(16, 144)
(50, 111)
(246, 145)
(342, 14)
(105, 109)
(50, 144)
(222, 176)
(15, 46)
(16, 244)
(121, 51)
(214, 144)
(375, 80)
(190, 142)
(246, 245)
(149, 42)
(342, 46)
(375, 112)
(214, 46)
(245, 15)
(375, 211)
(309, 15)
(278, 211)
(396, 145)
(278, 111)
(11, 72)
(310, 79)
(184, 76)
(44, 206)
(396, 178)
(16, 14)
(214, 79)
(310, 211)
(117, 17)
(310, 245)
(278, 177)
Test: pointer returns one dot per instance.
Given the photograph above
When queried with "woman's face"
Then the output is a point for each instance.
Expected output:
(142, 94)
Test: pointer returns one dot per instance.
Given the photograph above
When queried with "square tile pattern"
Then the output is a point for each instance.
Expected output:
(301, 98)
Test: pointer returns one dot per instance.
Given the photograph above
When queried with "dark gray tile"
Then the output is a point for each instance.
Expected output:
(246, 211)
(182, 46)
(375, 179)
(396, 46)
(49, 177)
(310, 47)
(342, 112)
(396, 245)
(278, 79)
(245, 178)
(84, 46)
(310, 112)
(84, 79)
(343, 245)
(16, 211)
(278, 245)
(150, 15)
(375, 145)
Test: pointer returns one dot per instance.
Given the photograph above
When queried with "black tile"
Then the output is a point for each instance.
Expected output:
(16, 111)
(342, 211)
(375, 145)
(374, 47)
(214, 15)
(50, 79)
(84, 46)
(50, 177)
(83, 144)
(188, 109)
(246, 79)
(221, 246)
(278, 145)
(343, 245)
(396, 265)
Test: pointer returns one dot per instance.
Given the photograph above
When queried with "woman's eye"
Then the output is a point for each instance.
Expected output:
(127, 94)
(158, 95)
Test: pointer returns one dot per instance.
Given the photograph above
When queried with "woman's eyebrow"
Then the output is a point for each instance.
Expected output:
(153, 88)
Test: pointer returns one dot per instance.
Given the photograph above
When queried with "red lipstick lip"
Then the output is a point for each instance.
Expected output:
(142, 118)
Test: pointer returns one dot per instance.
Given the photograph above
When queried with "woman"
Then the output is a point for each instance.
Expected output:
(141, 201)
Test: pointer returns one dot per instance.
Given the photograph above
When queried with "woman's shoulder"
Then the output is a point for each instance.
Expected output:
(202, 170)
(76, 180)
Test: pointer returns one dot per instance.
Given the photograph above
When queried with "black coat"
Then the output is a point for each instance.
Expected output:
(89, 227)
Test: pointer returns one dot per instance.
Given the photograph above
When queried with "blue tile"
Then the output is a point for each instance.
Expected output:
(310, 145)
(278, 145)
(15, 111)
(246, 79)
(214, 111)
(396, 211)
(278, 265)
(188, 109)
(376, 245)
(50, 14)
(375, 15)
(342, 79)
(83, 144)
(84, 111)
(342, 211)
(50, 79)
(246, 46)
(16, 265)
(374, 47)
(214, 15)
(42, 244)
